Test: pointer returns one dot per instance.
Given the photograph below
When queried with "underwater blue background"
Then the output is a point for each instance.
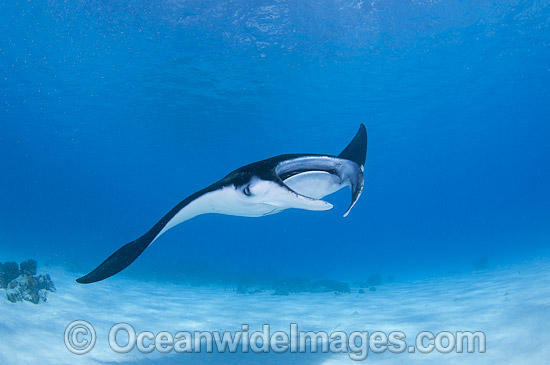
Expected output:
(112, 111)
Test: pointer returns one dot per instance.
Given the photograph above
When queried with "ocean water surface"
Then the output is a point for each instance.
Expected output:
(112, 112)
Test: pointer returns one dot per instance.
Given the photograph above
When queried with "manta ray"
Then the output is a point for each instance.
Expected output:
(261, 188)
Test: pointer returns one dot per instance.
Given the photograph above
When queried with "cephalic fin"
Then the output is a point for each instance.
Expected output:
(356, 151)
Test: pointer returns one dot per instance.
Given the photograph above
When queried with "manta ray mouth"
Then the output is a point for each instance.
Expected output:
(313, 178)
(309, 196)
(312, 184)
(300, 199)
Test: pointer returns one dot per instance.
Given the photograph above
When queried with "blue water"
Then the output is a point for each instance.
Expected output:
(111, 112)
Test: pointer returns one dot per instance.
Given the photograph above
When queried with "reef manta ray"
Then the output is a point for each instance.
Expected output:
(261, 188)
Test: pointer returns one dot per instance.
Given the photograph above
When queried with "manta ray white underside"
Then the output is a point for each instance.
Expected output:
(300, 191)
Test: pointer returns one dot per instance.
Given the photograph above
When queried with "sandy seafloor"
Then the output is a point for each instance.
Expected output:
(510, 304)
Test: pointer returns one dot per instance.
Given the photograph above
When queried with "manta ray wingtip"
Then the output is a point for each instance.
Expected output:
(356, 150)
(119, 260)
(82, 280)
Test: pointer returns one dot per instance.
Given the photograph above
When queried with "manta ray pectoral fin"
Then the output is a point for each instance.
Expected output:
(356, 150)
(128, 253)
(118, 261)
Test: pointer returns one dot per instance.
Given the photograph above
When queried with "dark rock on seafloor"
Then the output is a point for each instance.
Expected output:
(30, 288)
(481, 263)
(281, 291)
(21, 283)
(285, 287)
(374, 280)
(45, 282)
(292, 285)
(327, 286)
(28, 267)
(244, 289)
(8, 272)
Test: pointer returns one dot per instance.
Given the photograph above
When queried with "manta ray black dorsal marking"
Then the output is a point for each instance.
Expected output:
(261, 188)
